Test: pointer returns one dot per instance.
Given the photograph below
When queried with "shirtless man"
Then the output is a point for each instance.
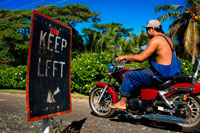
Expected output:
(162, 59)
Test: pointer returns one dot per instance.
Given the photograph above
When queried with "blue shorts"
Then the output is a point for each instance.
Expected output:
(138, 79)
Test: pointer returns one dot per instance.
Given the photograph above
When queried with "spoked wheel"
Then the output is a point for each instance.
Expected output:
(101, 108)
(192, 113)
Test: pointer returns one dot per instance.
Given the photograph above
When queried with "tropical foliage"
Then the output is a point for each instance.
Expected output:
(15, 29)
(86, 70)
(104, 37)
(186, 26)
(13, 77)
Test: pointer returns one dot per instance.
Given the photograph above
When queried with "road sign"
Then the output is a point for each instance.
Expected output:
(48, 90)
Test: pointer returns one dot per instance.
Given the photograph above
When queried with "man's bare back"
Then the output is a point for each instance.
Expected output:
(163, 50)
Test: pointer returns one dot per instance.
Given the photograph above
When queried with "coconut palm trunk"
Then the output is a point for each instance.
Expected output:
(195, 50)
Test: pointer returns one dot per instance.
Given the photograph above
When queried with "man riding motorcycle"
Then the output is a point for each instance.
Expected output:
(162, 60)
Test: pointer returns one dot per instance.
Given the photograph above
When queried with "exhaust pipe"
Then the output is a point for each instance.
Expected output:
(164, 118)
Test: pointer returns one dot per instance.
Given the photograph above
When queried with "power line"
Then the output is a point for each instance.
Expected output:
(5, 2)
(60, 2)
(22, 7)
(29, 4)
(19, 14)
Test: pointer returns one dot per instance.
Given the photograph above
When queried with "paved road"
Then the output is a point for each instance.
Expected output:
(13, 119)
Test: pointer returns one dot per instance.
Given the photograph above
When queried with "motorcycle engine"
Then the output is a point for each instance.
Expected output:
(135, 104)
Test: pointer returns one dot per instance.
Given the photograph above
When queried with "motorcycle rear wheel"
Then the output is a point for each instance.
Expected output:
(192, 121)
(101, 108)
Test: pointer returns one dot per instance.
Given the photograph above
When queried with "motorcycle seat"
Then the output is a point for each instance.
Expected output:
(174, 80)
(182, 78)
(164, 85)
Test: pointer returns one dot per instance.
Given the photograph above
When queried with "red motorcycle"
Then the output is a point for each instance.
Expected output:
(175, 101)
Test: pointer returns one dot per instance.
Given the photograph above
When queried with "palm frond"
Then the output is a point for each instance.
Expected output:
(99, 43)
(93, 40)
(169, 15)
(175, 27)
(168, 7)
(139, 38)
(181, 20)
(190, 2)
(197, 2)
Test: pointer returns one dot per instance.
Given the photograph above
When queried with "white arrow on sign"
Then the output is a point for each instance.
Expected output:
(50, 97)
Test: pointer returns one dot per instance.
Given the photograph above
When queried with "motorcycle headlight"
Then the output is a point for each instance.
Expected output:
(110, 68)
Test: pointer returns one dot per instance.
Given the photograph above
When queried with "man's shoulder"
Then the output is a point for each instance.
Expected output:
(159, 39)
(156, 39)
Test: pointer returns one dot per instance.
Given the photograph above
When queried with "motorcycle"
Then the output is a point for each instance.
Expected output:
(177, 100)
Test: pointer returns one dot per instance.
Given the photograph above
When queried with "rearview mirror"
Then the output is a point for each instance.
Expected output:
(116, 46)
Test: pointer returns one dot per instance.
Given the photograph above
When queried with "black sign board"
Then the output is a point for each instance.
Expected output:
(48, 89)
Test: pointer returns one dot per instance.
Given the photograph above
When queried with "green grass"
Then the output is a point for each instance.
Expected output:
(76, 95)
(13, 91)
(73, 95)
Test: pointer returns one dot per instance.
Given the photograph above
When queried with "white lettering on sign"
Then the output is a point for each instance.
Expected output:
(53, 43)
(56, 44)
(64, 44)
(61, 42)
(42, 39)
(39, 74)
(50, 68)
(49, 42)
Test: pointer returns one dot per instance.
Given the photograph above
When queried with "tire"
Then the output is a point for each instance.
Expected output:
(100, 109)
(192, 117)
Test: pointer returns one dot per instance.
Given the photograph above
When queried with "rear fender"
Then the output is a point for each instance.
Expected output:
(109, 90)
(196, 88)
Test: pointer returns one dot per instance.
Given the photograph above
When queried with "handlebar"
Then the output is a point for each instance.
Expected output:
(119, 64)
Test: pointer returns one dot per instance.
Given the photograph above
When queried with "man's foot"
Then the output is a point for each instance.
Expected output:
(118, 105)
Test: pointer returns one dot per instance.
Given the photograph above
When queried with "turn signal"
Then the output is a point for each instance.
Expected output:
(187, 11)
(185, 97)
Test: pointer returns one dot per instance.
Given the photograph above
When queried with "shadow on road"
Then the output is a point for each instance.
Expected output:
(76, 126)
(145, 122)
(149, 123)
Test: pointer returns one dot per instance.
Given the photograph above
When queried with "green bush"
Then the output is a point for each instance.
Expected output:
(87, 69)
(13, 77)
(186, 67)
(138, 65)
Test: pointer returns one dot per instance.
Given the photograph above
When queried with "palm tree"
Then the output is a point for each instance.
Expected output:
(141, 39)
(90, 38)
(104, 37)
(135, 42)
(185, 27)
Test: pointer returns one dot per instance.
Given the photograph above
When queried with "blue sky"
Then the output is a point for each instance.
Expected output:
(131, 13)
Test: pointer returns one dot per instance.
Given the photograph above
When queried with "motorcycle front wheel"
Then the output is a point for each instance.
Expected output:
(192, 108)
(101, 108)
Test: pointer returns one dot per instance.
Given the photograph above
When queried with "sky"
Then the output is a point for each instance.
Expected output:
(131, 13)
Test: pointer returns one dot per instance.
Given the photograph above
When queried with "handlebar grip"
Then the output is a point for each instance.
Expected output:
(126, 61)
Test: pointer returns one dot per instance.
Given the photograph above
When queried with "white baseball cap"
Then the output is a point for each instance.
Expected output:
(153, 23)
